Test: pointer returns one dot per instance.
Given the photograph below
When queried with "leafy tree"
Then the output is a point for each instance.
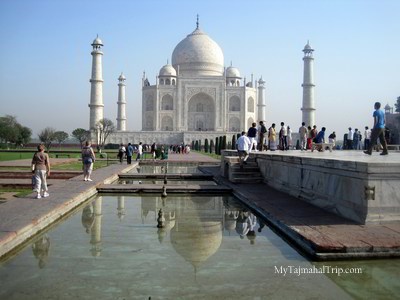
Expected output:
(13, 132)
(24, 135)
(216, 145)
(212, 146)
(103, 129)
(397, 105)
(47, 137)
(196, 145)
(81, 135)
(60, 137)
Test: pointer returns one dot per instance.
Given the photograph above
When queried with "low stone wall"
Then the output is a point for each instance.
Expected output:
(357, 190)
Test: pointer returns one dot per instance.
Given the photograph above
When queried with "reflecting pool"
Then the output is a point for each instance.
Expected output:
(170, 168)
(161, 181)
(210, 248)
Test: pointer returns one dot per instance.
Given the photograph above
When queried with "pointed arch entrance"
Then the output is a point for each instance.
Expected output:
(201, 113)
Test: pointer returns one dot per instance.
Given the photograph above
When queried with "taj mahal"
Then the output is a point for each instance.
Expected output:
(194, 97)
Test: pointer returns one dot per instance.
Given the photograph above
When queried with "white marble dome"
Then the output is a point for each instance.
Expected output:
(232, 72)
(198, 54)
(167, 70)
(97, 41)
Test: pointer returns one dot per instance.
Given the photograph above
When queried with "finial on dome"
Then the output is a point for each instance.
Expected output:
(197, 22)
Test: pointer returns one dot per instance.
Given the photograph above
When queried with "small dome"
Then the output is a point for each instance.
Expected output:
(388, 107)
(121, 77)
(307, 47)
(232, 72)
(167, 70)
(97, 41)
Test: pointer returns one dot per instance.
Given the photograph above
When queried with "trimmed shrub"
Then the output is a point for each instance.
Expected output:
(206, 145)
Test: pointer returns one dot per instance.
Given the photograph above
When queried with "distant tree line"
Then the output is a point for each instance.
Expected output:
(12, 133)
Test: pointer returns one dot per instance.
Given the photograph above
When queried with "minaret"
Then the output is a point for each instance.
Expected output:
(96, 93)
(261, 105)
(121, 116)
(308, 108)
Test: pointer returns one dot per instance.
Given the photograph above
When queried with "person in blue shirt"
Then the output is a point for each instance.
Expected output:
(378, 130)
(320, 138)
(129, 153)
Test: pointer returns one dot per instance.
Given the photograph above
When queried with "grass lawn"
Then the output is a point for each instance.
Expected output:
(19, 192)
(213, 155)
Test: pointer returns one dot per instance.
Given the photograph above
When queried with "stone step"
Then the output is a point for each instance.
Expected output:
(247, 179)
(244, 173)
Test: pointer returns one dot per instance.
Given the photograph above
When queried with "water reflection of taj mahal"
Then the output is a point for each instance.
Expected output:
(194, 226)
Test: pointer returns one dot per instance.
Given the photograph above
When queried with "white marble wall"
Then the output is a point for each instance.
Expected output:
(358, 190)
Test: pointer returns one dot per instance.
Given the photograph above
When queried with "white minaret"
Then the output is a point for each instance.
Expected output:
(308, 87)
(121, 115)
(261, 103)
(96, 93)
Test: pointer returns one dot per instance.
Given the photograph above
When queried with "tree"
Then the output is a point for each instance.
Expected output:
(206, 145)
(233, 142)
(60, 137)
(47, 137)
(223, 146)
(81, 135)
(103, 129)
(13, 132)
(212, 146)
(397, 105)
(216, 145)
(24, 135)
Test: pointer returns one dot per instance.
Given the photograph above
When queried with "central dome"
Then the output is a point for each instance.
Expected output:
(198, 54)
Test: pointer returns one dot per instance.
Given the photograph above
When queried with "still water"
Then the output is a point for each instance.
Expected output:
(161, 181)
(211, 248)
(166, 169)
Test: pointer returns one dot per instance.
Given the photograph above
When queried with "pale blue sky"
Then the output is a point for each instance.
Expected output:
(45, 61)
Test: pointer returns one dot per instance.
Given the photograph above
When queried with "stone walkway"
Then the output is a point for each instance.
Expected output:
(320, 234)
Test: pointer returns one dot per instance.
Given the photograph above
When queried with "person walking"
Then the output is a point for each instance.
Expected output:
(139, 151)
(303, 136)
(367, 137)
(350, 135)
(332, 138)
(378, 130)
(261, 133)
(153, 150)
(129, 153)
(243, 145)
(252, 135)
(289, 137)
(283, 137)
(121, 152)
(41, 169)
(88, 159)
(356, 139)
(272, 137)
(320, 138)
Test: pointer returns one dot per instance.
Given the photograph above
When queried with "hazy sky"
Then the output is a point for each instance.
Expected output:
(45, 61)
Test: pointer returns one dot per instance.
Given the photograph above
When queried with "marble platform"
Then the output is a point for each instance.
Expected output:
(350, 184)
